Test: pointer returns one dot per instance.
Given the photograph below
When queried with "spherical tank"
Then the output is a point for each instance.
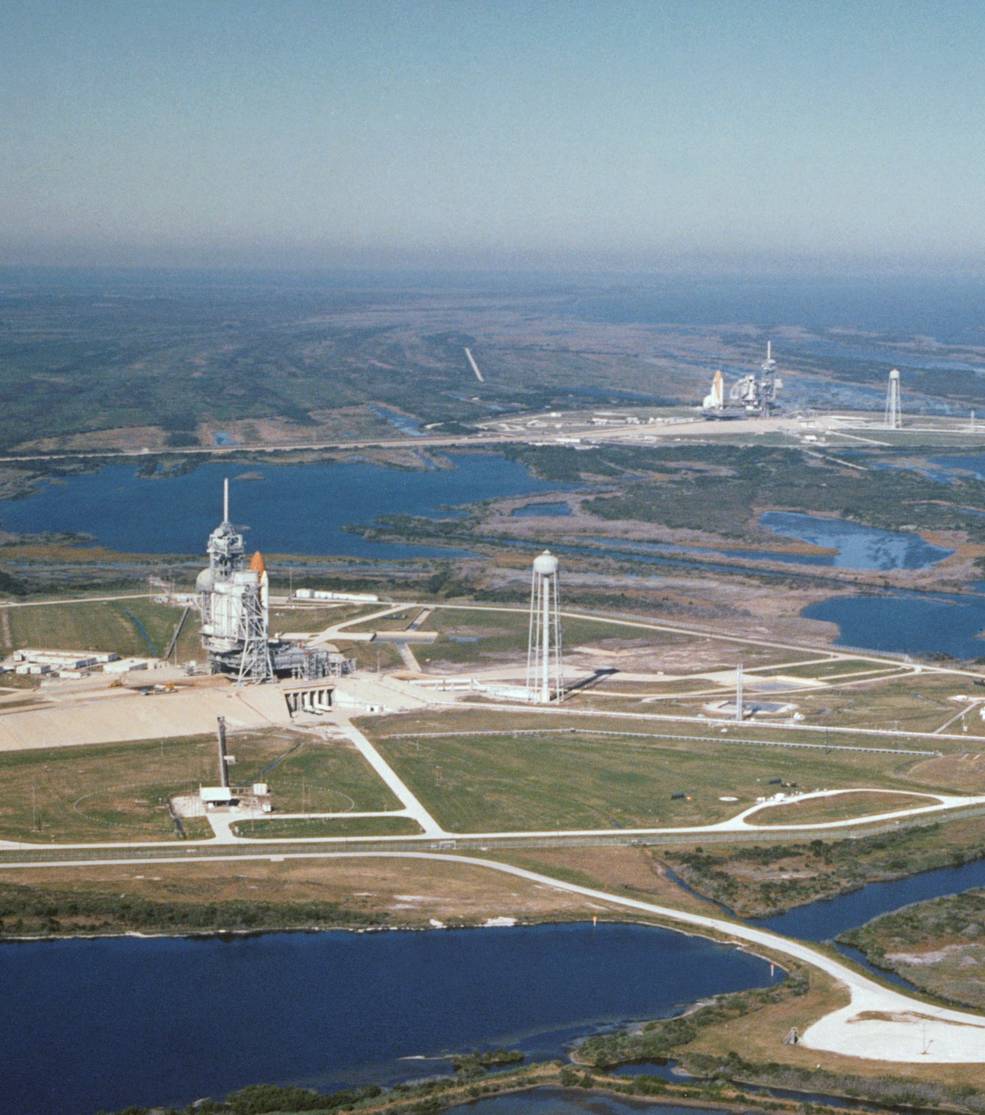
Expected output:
(545, 564)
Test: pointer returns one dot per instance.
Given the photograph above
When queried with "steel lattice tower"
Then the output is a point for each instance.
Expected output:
(255, 663)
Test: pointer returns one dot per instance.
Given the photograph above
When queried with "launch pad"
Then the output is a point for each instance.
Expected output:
(233, 597)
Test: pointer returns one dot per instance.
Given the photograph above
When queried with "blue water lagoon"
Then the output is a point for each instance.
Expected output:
(854, 545)
(973, 463)
(169, 1020)
(850, 545)
(907, 622)
(301, 509)
(546, 510)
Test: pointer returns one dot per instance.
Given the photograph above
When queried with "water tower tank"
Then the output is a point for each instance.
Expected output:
(545, 564)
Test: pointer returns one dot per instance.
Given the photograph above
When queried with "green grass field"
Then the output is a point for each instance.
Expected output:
(821, 810)
(503, 782)
(469, 635)
(307, 774)
(399, 621)
(275, 829)
(120, 791)
(316, 617)
(129, 627)
(833, 667)
(919, 703)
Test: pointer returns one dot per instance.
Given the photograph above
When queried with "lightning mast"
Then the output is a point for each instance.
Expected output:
(740, 711)
(894, 413)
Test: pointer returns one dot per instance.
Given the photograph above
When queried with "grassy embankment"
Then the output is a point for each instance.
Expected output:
(476, 636)
(936, 945)
(128, 627)
(758, 880)
(740, 1038)
(822, 810)
(120, 791)
(209, 896)
(326, 826)
(554, 781)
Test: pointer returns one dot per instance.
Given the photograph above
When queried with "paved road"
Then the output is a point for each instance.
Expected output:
(412, 806)
(909, 1030)
(487, 438)
(78, 600)
(709, 722)
(877, 1023)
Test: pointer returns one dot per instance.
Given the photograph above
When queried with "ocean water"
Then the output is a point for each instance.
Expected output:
(950, 310)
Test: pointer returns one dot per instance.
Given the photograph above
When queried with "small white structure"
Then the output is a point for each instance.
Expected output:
(125, 665)
(324, 594)
(894, 413)
(211, 796)
(544, 677)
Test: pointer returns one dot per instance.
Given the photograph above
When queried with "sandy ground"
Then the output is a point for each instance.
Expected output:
(117, 716)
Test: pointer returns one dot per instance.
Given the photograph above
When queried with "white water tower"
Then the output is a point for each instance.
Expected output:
(544, 678)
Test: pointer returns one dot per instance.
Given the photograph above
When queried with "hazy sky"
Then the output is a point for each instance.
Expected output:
(553, 134)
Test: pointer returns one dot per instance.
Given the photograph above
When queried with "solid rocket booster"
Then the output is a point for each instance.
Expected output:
(715, 399)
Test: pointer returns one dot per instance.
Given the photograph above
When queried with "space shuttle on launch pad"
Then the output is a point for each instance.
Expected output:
(749, 395)
(715, 399)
